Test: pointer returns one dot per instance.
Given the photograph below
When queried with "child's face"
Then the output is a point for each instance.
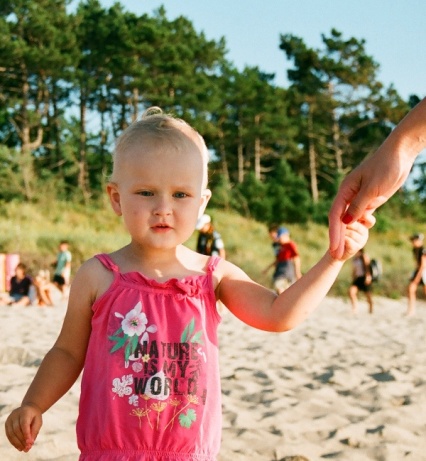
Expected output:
(417, 243)
(273, 234)
(284, 238)
(158, 189)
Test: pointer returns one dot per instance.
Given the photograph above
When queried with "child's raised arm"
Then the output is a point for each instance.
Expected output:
(261, 308)
(60, 367)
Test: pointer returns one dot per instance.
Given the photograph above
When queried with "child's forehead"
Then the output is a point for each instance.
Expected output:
(174, 140)
(172, 143)
(163, 150)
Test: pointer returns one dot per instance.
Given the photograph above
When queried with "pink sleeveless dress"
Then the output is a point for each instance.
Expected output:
(150, 389)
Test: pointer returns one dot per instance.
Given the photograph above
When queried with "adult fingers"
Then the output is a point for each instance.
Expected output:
(347, 191)
(336, 233)
(363, 202)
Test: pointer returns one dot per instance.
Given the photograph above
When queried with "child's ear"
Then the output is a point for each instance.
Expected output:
(114, 197)
(205, 197)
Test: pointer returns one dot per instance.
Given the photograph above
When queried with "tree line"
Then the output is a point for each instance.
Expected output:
(71, 81)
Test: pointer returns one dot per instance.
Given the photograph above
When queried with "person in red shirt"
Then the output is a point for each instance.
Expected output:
(287, 261)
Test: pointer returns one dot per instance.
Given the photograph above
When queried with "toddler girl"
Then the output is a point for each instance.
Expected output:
(142, 321)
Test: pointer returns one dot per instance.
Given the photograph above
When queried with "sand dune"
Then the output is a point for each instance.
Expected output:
(338, 387)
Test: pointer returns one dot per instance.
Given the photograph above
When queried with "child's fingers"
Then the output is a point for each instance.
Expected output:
(14, 431)
(35, 428)
(356, 237)
(356, 227)
(22, 428)
(365, 222)
(367, 219)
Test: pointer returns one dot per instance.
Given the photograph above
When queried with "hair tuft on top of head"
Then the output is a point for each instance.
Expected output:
(157, 122)
(154, 110)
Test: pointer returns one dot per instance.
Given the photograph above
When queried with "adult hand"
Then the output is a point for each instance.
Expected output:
(367, 187)
(378, 177)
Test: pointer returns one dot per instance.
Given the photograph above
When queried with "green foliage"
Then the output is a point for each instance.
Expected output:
(283, 198)
(10, 174)
(255, 195)
(71, 82)
(290, 195)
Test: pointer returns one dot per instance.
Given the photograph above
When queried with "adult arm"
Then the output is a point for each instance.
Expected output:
(379, 176)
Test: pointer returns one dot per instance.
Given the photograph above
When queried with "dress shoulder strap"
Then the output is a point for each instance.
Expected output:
(212, 263)
(107, 262)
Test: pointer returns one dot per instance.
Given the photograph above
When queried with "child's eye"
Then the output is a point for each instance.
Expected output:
(180, 195)
(145, 193)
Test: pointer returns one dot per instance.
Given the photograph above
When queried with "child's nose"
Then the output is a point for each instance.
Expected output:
(163, 206)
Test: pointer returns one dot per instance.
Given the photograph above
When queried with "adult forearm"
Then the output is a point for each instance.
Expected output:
(409, 136)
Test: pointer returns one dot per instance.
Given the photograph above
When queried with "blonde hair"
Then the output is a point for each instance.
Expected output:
(154, 124)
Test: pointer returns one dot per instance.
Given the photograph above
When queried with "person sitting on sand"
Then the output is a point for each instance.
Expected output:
(43, 288)
(20, 284)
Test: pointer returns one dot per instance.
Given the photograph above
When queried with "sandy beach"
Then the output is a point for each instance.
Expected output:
(338, 387)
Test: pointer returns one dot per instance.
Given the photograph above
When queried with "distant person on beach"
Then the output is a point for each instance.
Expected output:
(419, 275)
(43, 288)
(361, 280)
(62, 274)
(142, 321)
(379, 176)
(287, 261)
(209, 240)
(273, 234)
(20, 286)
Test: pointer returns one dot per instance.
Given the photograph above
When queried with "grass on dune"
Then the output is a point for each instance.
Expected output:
(34, 231)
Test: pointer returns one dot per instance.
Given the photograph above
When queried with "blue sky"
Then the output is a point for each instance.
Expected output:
(394, 31)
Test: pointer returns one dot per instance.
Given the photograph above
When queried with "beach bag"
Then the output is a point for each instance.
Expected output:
(376, 270)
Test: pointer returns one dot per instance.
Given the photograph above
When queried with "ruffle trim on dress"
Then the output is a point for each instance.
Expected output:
(130, 455)
(181, 288)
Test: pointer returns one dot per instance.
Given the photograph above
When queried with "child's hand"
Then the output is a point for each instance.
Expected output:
(22, 427)
(356, 235)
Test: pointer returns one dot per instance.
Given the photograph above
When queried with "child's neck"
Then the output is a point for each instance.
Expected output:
(160, 265)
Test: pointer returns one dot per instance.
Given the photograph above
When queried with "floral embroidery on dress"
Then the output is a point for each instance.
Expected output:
(181, 367)
(133, 330)
(122, 386)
